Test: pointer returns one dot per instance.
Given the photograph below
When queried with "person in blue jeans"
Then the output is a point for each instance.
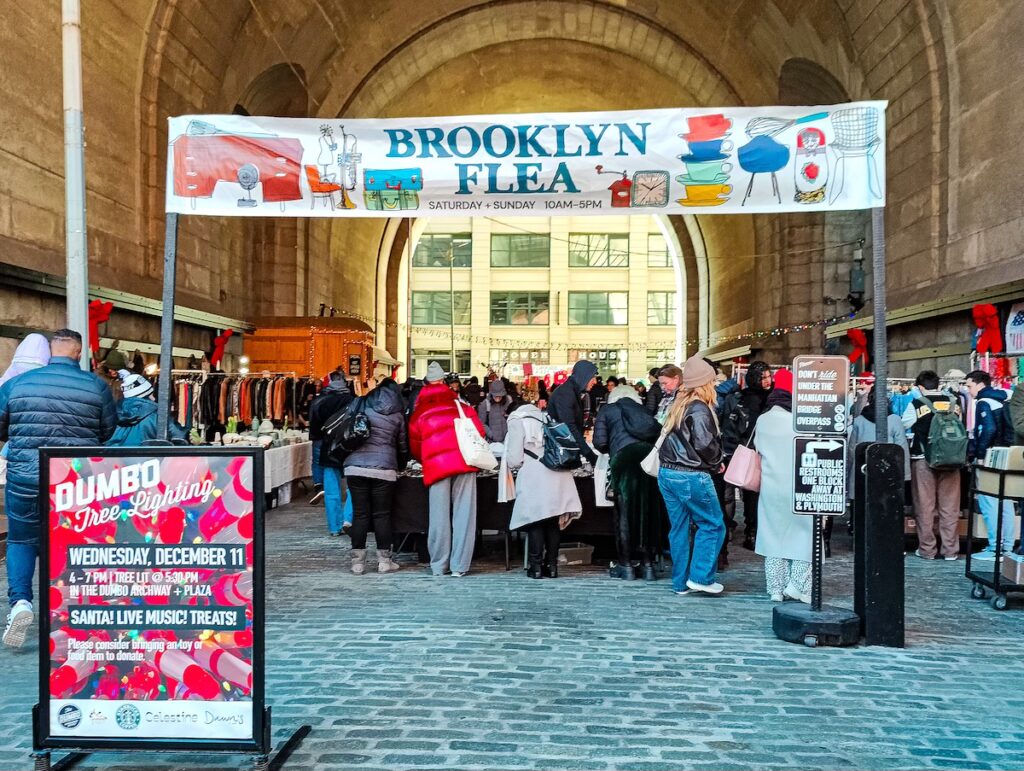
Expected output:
(690, 451)
(58, 405)
(335, 397)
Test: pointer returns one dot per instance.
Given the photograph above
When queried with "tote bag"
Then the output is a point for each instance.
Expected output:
(652, 463)
(602, 482)
(474, 448)
(744, 469)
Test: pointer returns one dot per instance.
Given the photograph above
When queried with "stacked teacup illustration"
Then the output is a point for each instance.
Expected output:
(707, 169)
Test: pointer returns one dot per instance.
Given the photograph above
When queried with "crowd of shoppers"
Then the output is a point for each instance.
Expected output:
(687, 426)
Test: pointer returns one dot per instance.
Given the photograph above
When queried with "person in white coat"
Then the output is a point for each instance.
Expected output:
(784, 539)
(546, 500)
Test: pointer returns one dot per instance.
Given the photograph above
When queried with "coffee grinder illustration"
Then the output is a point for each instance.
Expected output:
(620, 188)
(348, 160)
(811, 168)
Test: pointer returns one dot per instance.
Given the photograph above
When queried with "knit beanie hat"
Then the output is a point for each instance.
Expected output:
(133, 384)
(784, 380)
(434, 373)
(697, 372)
(496, 388)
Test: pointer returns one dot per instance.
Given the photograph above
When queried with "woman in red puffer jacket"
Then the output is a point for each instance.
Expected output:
(451, 483)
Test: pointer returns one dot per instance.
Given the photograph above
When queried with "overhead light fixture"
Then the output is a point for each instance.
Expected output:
(243, 360)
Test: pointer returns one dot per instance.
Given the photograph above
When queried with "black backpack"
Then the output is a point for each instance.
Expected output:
(736, 424)
(347, 429)
(561, 452)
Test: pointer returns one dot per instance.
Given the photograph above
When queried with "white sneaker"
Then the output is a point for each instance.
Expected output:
(19, 620)
(984, 556)
(777, 597)
(459, 573)
(951, 558)
(715, 588)
(792, 593)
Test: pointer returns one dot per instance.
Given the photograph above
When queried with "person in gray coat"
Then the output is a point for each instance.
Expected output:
(492, 412)
(372, 471)
(58, 405)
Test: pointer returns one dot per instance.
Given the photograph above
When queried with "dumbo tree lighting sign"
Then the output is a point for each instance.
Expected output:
(711, 160)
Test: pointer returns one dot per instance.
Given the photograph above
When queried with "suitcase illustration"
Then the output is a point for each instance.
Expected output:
(392, 189)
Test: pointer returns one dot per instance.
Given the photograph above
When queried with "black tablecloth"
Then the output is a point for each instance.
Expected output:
(410, 511)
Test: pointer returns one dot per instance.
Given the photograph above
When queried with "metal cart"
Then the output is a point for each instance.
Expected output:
(1003, 485)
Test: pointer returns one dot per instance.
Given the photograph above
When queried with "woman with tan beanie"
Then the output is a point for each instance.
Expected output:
(690, 452)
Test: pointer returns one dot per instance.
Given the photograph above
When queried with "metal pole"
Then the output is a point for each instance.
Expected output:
(408, 299)
(74, 176)
(881, 352)
(163, 414)
(816, 558)
(451, 296)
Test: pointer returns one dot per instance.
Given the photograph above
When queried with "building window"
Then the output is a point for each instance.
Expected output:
(503, 356)
(598, 250)
(661, 309)
(598, 308)
(657, 252)
(421, 359)
(608, 362)
(433, 249)
(512, 250)
(519, 308)
(431, 308)
(659, 357)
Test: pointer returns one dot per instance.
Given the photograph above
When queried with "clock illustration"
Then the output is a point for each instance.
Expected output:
(650, 188)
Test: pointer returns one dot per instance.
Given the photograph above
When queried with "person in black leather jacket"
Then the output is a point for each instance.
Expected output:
(565, 404)
(627, 432)
(690, 452)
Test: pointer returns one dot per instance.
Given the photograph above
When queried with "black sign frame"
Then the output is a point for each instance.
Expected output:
(806, 440)
(260, 742)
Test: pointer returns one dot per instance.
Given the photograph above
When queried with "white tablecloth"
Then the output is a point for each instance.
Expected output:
(283, 465)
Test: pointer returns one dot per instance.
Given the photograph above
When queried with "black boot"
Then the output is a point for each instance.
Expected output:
(549, 571)
(749, 541)
(625, 572)
(649, 573)
(535, 571)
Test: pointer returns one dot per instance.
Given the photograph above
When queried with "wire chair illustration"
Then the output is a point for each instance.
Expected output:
(856, 137)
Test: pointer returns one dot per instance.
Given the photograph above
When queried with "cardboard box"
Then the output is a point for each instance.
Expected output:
(1013, 568)
(910, 527)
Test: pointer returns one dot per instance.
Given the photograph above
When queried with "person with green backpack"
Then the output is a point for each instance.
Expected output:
(938, 450)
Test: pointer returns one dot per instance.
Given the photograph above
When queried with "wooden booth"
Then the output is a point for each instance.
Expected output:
(311, 345)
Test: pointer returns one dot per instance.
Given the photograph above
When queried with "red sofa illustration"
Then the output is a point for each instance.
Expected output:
(200, 162)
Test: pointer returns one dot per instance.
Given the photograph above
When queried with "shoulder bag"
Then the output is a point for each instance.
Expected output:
(744, 470)
(652, 463)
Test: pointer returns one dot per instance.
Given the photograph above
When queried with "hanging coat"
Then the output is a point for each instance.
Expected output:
(780, 532)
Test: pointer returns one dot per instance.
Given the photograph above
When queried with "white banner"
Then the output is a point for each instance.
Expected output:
(711, 161)
(1015, 329)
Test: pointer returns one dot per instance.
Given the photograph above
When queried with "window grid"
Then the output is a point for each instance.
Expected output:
(433, 248)
(513, 250)
(598, 250)
(520, 308)
(598, 308)
(657, 252)
(661, 309)
(435, 308)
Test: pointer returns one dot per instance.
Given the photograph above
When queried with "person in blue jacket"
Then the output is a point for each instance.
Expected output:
(58, 405)
(137, 414)
(990, 430)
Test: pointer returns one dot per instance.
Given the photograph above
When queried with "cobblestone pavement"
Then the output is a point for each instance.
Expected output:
(494, 671)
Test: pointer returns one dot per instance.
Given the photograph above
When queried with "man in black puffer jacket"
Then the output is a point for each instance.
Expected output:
(58, 405)
(334, 398)
(565, 405)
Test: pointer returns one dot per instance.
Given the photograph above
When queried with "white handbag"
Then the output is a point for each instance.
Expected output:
(474, 448)
(652, 463)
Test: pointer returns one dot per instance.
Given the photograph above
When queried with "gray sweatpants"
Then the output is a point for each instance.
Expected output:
(452, 533)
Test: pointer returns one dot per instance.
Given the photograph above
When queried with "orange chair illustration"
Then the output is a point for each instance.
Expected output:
(320, 189)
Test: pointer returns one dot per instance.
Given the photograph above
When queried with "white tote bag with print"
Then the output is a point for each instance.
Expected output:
(474, 448)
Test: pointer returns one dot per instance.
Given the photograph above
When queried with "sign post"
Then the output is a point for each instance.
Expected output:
(820, 413)
(151, 631)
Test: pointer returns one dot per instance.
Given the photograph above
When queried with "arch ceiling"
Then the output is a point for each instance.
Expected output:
(466, 56)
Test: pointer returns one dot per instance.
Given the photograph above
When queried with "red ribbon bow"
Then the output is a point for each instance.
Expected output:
(986, 319)
(219, 342)
(860, 346)
(99, 312)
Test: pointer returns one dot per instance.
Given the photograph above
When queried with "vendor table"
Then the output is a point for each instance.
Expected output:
(410, 512)
(284, 465)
